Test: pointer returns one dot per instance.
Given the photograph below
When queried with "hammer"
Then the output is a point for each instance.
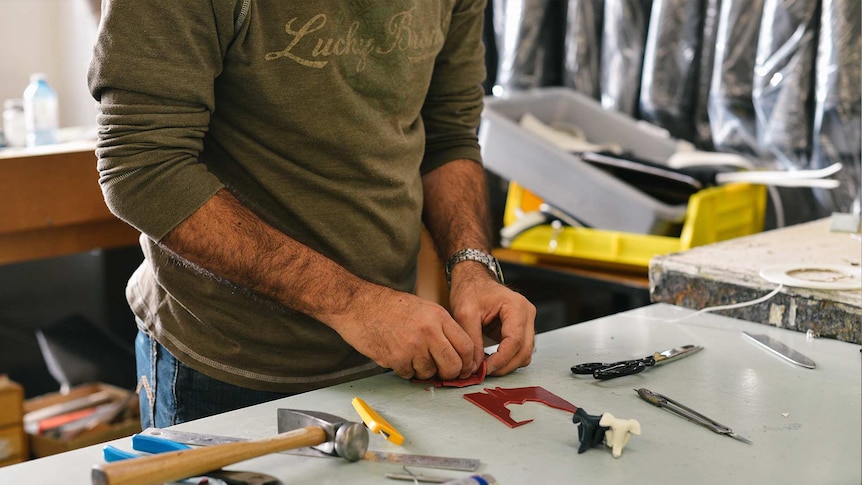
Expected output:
(324, 432)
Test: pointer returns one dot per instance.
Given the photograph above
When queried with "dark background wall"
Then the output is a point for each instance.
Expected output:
(82, 293)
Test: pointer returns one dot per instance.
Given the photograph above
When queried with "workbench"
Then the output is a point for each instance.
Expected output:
(804, 424)
(728, 272)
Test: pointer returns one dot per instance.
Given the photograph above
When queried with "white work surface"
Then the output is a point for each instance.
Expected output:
(805, 424)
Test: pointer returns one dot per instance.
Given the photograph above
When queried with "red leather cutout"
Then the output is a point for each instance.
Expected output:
(495, 401)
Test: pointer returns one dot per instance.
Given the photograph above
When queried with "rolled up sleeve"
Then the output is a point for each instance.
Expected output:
(152, 74)
(453, 107)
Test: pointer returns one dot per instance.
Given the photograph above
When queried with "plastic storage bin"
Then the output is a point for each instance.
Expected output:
(562, 179)
(713, 214)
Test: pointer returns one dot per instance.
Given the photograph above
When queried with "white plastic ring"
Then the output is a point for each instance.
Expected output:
(814, 276)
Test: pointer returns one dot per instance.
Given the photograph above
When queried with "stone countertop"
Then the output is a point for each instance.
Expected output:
(729, 272)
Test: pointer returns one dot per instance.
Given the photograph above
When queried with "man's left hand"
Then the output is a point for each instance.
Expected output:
(482, 306)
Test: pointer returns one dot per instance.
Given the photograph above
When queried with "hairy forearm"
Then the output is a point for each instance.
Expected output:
(400, 331)
(456, 214)
(456, 207)
(226, 239)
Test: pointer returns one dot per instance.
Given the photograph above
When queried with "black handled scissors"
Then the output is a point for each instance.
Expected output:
(604, 371)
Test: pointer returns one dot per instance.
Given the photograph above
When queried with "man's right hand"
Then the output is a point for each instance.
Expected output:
(416, 338)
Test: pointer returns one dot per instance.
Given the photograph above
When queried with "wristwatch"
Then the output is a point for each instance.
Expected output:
(471, 254)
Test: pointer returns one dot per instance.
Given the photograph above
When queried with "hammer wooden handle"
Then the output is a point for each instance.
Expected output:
(175, 465)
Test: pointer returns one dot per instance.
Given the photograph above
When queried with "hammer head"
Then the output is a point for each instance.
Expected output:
(346, 439)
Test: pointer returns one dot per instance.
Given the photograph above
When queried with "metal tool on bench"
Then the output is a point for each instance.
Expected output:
(375, 422)
(292, 419)
(406, 459)
(329, 434)
(687, 413)
(781, 350)
(153, 444)
(628, 367)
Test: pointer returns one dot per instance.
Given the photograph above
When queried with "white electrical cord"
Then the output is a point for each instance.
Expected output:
(733, 306)
(719, 307)
(846, 277)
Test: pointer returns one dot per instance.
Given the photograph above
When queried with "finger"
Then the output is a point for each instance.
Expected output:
(511, 355)
(447, 360)
(424, 367)
(400, 366)
(404, 372)
(475, 333)
(503, 360)
(465, 346)
(469, 322)
(514, 350)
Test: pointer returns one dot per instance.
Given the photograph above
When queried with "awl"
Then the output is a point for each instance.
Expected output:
(686, 412)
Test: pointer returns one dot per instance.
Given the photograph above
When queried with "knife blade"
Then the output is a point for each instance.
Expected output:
(781, 350)
(375, 422)
(677, 353)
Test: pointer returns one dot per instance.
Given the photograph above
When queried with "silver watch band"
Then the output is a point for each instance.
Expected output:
(470, 254)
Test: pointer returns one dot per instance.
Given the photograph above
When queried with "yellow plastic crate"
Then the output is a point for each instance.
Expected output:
(713, 214)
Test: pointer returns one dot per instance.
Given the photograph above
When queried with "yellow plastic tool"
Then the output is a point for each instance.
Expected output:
(375, 422)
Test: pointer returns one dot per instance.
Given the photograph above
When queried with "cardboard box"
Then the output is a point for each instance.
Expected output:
(47, 444)
(13, 444)
(11, 402)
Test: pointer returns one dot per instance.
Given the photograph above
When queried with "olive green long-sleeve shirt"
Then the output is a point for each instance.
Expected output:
(320, 116)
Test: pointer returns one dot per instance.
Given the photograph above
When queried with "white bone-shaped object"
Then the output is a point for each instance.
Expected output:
(619, 432)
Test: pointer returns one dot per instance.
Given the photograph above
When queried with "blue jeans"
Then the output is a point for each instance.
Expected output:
(172, 393)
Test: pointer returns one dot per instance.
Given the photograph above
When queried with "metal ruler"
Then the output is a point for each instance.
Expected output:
(424, 461)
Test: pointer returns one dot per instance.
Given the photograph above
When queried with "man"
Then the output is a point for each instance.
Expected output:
(280, 159)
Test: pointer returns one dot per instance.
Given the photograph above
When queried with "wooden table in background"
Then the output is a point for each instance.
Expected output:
(633, 278)
(51, 204)
(628, 287)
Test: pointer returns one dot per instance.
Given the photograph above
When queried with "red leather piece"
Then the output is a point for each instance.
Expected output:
(494, 401)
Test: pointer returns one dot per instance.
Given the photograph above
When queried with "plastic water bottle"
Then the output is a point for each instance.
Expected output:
(41, 112)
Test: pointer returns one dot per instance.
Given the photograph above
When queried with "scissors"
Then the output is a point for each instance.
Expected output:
(628, 367)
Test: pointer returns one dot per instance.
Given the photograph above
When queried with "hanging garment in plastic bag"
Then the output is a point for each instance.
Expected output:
(624, 32)
(783, 80)
(671, 56)
(529, 38)
(490, 49)
(702, 130)
(837, 128)
(582, 48)
(731, 110)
